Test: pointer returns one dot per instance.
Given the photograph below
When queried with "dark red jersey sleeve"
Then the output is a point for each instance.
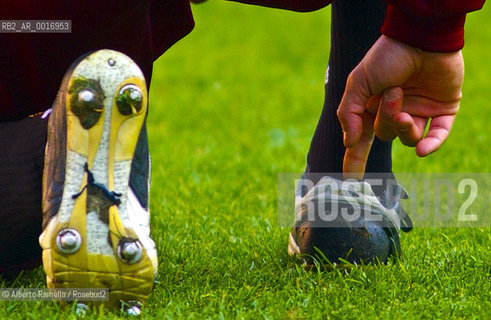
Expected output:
(294, 5)
(430, 25)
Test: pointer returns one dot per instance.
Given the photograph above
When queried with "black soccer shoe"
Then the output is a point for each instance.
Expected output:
(343, 220)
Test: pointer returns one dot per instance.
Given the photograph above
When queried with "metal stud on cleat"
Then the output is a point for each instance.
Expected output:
(86, 100)
(129, 100)
(82, 309)
(133, 308)
(68, 241)
(129, 251)
(86, 96)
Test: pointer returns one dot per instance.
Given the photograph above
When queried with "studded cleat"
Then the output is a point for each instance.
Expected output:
(95, 184)
(344, 221)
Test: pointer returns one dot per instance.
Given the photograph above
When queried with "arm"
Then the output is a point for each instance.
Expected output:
(429, 25)
(411, 76)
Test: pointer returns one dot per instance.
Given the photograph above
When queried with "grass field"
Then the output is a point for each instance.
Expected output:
(231, 106)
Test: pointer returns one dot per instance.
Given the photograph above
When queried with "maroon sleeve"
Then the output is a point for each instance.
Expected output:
(294, 5)
(430, 25)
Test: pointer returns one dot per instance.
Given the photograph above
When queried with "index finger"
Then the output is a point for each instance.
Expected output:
(355, 158)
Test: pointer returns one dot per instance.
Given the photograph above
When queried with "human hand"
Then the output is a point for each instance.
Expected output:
(393, 92)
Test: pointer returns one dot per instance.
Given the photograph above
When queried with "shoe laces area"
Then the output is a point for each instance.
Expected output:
(349, 192)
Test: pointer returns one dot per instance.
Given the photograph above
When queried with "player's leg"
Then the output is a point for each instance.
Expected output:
(354, 28)
(21, 168)
(83, 178)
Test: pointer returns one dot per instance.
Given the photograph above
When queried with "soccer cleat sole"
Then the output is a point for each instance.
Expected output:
(92, 241)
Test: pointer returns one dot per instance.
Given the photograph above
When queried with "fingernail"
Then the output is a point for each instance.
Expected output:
(403, 127)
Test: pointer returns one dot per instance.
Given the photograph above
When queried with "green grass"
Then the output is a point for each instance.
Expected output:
(236, 103)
